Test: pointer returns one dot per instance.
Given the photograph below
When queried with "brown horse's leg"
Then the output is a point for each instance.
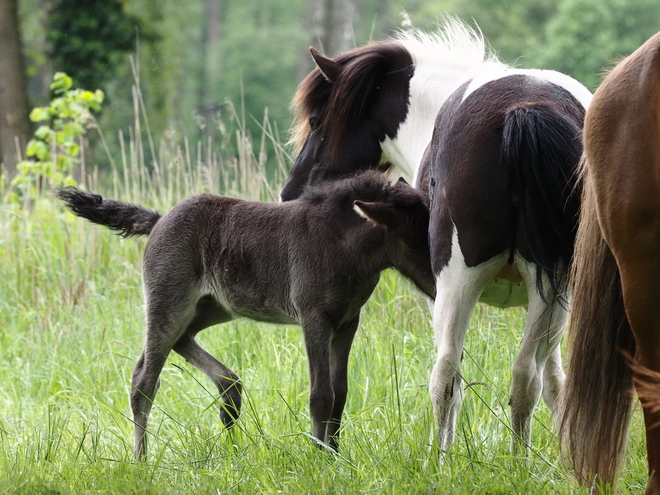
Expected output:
(340, 347)
(640, 276)
(647, 382)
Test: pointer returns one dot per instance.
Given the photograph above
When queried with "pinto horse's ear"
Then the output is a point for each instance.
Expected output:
(328, 67)
(378, 213)
(402, 180)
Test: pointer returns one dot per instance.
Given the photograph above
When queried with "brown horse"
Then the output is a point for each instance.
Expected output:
(615, 320)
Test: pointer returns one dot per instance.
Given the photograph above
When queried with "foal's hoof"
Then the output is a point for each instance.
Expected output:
(229, 414)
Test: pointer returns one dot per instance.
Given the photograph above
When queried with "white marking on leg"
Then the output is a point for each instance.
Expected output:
(543, 330)
(458, 289)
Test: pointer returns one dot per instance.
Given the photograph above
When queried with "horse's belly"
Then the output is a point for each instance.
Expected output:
(503, 293)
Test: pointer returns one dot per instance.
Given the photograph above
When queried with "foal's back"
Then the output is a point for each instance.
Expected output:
(265, 261)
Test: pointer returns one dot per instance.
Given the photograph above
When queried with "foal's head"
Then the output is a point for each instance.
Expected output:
(344, 109)
(401, 211)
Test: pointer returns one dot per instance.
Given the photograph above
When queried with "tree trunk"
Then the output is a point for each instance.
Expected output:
(335, 22)
(331, 29)
(14, 108)
(209, 60)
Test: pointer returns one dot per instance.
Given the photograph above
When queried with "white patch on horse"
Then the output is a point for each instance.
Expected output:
(581, 93)
(458, 290)
(443, 62)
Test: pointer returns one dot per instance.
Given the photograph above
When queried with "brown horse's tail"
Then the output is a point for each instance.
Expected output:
(595, 404)
(126, 218)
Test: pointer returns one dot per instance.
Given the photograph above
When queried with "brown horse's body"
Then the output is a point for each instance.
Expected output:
(617, 274)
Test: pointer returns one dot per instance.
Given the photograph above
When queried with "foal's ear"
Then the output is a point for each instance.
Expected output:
(378, 213)
(328, 67)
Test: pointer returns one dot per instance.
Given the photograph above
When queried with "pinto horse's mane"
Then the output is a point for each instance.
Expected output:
(342, 102)
(454, 43)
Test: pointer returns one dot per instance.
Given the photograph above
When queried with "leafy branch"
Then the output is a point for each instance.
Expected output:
(55, 147)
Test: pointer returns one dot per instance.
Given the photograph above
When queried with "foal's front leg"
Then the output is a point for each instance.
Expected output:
(318, 332)
(340, 348)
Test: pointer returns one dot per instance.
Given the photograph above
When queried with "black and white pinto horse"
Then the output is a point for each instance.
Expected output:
(496, 148)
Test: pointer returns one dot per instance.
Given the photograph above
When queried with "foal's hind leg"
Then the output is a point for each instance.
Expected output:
(543, 329)
(166, 321)
(144, 386)
(226, 381)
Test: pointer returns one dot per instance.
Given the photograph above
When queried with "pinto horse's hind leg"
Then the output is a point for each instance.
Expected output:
(458, 290)
(529, 377)
(553, 376)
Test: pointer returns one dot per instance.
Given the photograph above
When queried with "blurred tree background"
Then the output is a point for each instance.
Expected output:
(204, 65)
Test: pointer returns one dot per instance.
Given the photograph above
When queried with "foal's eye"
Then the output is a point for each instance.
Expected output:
(314, 123)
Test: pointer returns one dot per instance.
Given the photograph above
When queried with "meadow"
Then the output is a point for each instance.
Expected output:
(71, 331)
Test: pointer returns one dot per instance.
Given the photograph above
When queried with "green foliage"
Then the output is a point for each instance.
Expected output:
(582, 38)
(90, 39)
(587, 37)
(55, 147)
(263, 75)
(258, 55)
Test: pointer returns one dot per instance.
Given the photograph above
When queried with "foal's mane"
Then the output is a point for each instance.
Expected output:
(370, 185)
(341, 102)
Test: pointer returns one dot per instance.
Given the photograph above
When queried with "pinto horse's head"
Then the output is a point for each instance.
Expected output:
(344, 110)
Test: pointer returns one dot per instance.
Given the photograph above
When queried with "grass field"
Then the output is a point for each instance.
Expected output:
(71, 323)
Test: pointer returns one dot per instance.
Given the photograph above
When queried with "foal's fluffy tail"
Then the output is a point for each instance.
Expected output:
(126, 218)
(541, 150)
(595, 404)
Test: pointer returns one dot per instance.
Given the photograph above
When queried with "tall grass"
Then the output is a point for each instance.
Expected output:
(71, 323)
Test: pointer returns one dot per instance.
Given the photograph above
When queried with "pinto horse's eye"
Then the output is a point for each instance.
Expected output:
(314, 123)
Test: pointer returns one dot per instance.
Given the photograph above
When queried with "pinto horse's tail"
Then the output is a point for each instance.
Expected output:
(126, 218)
(594, 406)
(541, 149)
